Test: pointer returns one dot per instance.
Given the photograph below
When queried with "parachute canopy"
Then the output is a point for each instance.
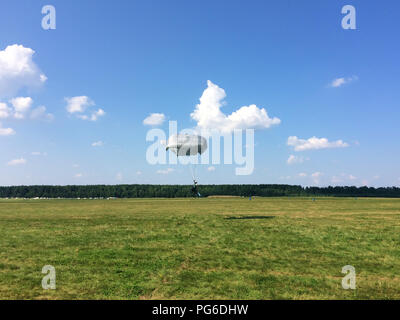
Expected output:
(186, 144)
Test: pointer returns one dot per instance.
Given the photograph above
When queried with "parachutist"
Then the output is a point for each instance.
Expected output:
(186, 145)
(195, 192)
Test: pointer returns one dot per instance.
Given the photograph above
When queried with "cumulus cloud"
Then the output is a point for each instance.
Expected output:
(338, 82)
(41, 114)
(20, 109)
(17, 70)
(154, 119)
(166, 171)
(98, 144)
(16, 162)
(6, 131)
(5, 111)
(21, 106)
(78, 105)
(209, 116)
(95, 115)
(294, 159)
(314, 143)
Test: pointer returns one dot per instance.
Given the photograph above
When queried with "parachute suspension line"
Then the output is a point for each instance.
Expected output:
(194, 177)
(193, 172)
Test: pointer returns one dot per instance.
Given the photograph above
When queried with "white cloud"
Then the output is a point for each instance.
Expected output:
(211, 168)
(42, 78)
(338, 82)
(166, 171)
(316, 174)
(6, 131)
(294, 159)
(98, 144)
(209, 116)
(40, 113)
(17, 70)
(119, 177)
(302, 175)
(16, 162)
(78, 105)
(154, 119)
(138, 173)
(95, 115)
(21, 106)
(78, 175)
(5, 111)
(314, 143)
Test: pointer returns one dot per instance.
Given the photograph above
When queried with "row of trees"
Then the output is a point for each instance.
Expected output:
(174, 191)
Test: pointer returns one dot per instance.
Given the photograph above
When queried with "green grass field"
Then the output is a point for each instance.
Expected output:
(219, 248)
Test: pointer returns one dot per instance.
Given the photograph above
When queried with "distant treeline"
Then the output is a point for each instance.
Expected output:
(174, 191)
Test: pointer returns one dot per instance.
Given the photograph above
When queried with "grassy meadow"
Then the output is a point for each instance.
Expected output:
(215, 248)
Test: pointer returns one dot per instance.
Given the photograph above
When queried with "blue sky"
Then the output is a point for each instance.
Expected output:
(134, 58)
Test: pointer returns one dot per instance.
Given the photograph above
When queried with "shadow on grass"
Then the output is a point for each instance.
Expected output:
(249, 218)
